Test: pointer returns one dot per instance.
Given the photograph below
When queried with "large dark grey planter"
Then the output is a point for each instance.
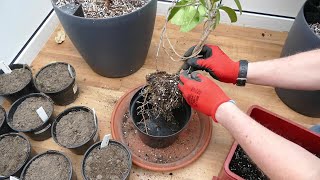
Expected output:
(113, 47)
(302, 38)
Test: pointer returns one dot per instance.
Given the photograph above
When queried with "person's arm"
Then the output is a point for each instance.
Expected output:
(273, 154)
(300, 71)
(277, 157)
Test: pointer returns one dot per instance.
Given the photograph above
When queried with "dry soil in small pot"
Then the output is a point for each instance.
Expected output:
(75, 128)
(14, 152)
(54, 78)
(108, 163)
(48, 166)
(25, 117)
(15, 81)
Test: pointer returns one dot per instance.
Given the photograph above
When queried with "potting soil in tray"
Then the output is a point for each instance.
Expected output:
(15, 81)
(54, 78)
(48, 167)
(108, 163)
(75, 128)
(26, 118)
(105, 9)
(243, 166)
(13, 153)
(2, 116)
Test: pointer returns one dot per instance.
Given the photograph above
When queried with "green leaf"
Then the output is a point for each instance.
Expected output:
(192, 23)
(238, 5)
(217, 17)
(174, 10)
(178, 18)
(202, 2)
(202, 11)
(231, 13)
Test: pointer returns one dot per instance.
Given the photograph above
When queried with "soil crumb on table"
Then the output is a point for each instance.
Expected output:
(109, 163)
(2, 116)
(48, 167)
(106, 8)
(13, 153)
(315, 28)
(75, 128)
(26, 117)
(54, 78)
(243, 166)
(15, 81)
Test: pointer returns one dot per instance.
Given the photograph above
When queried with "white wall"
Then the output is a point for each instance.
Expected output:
(19, 20)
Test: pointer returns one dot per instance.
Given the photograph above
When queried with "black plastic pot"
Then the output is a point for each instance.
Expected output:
(29, 151)
(182, 115)
(29, 88)
(4, 127)
(81, 148)
(113, 47)
(63, 97)
(71, 174)
(302, 38)
(40, 133)
(126, 177)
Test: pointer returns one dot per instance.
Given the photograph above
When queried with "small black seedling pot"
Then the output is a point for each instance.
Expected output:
(40, 133)
(81, 148)
(29, 153)
(4, 127)
(71, 174)
(65, 96)
(97, 145)
(165, 136)
(29, 88)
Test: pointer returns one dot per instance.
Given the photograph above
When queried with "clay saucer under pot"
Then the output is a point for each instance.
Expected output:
(189, 146)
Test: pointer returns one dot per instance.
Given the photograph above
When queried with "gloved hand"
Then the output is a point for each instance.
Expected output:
(201, 93)
(214, 61)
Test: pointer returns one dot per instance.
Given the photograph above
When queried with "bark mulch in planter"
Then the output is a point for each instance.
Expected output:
(14, 81)
(109, 163)
(13, 154)
(54, 78)
(26, 118)
(75, 128)
(243, 166)
(48, 167)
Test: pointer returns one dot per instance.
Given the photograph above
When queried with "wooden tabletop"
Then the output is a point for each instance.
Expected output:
(102, 93)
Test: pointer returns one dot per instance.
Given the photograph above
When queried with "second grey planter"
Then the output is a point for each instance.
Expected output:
(113, 47)
(301, 38)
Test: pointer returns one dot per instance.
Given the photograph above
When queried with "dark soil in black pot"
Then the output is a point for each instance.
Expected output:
(75, 128)
(14, 153)
(49, 166)
(243, 166)
(54, 78)
(26, 118)
(109, 163)
(15, 81)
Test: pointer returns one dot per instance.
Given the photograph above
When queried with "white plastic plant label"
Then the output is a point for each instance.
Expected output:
(42, 114)
(75, 88)
(13, 178)
(94, 116)
(105, 141)
(70, 71)
(5, 68)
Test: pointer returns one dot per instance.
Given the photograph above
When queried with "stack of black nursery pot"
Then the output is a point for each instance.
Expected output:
(76, 128)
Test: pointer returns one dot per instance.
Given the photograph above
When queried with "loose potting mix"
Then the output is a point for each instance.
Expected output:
(108, 163)
(15, 81)
(105, 8)
(243, 166)
(13, 154)
(75, 128)
(48, 167)
(26, 118)
(54, 78)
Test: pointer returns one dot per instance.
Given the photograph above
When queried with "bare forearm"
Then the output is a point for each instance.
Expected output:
(276, 156)
(300, 72)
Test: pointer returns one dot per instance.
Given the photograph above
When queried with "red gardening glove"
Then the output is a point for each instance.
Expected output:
(214, 61)
(201, 93)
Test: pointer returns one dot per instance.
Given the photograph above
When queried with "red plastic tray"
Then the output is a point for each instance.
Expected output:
(283, 127)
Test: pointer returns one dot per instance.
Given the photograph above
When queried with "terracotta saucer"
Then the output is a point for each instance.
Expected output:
(191, 143)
